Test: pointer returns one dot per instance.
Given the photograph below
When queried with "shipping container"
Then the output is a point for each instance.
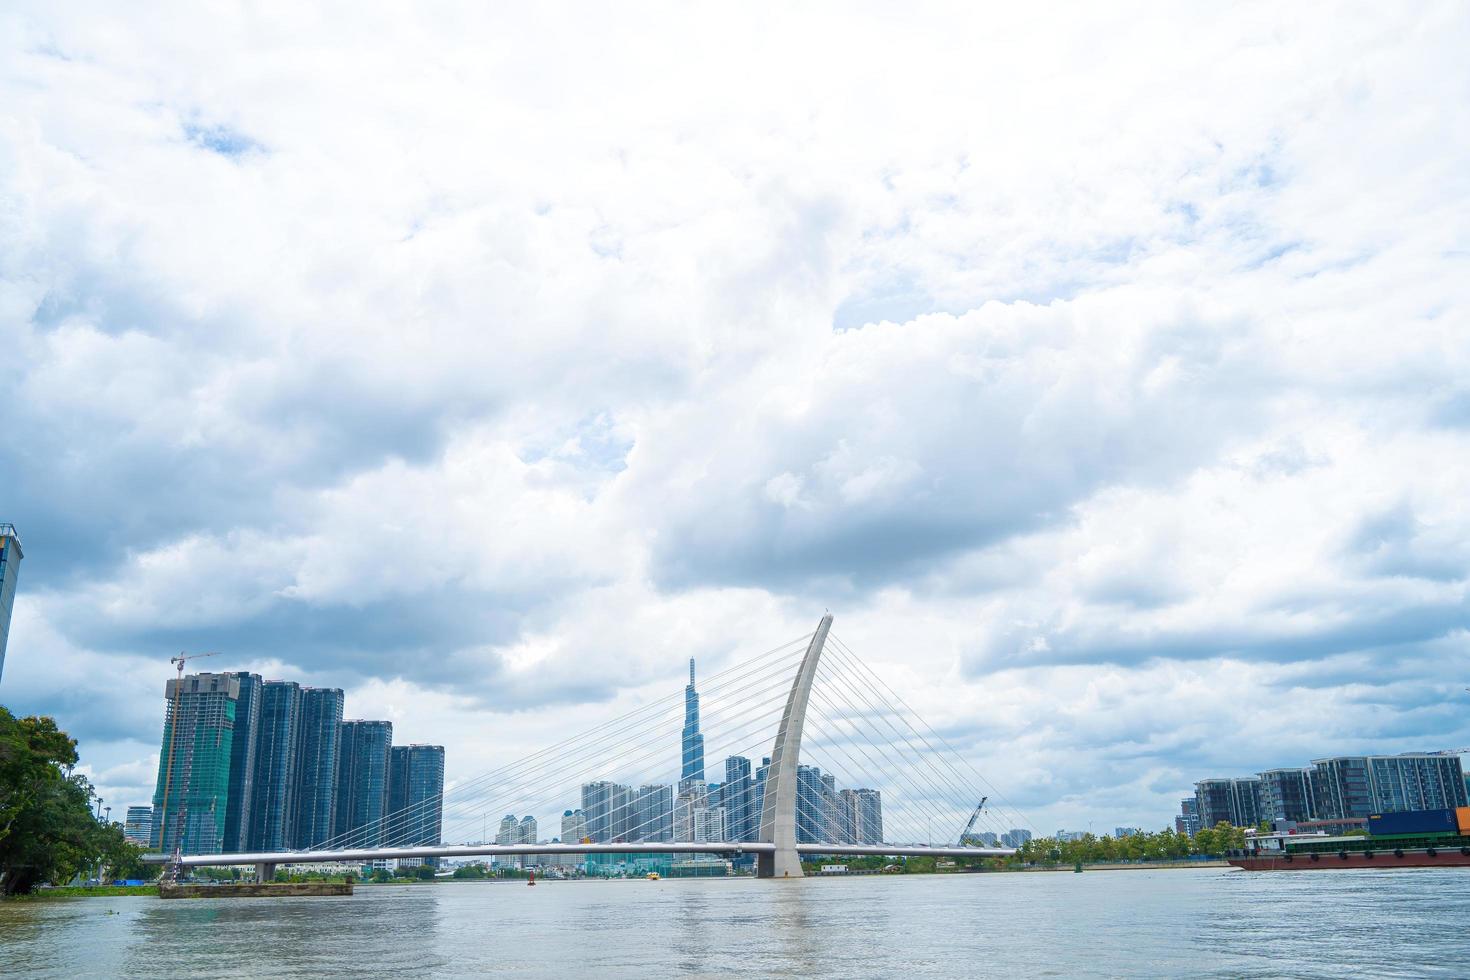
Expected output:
(1462, 814)
(1414, 822)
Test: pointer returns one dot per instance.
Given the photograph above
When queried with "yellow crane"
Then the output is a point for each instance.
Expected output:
(173, 728)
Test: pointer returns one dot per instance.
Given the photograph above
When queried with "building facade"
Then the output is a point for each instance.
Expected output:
(362, 782)
(1286, 794)
(1188, 820)
(10, 556)
(741, 818)
(693, 741)
(316, 764)
(573, 827)
(138, 827)
(242, 762)
(273, 794)
(653, 813)
(1234, 801)
(416, 794)
(192, 792)
(1349, 787)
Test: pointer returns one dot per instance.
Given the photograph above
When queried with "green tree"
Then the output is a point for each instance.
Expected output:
(47, 828)
(424, 872)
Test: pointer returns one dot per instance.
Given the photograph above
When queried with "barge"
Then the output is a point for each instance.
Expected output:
(1407, 839)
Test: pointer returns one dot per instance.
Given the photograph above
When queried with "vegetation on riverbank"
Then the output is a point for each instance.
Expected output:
(48, 828)
(99, 891)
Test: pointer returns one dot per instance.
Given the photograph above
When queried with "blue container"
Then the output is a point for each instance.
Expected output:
(1413, 822)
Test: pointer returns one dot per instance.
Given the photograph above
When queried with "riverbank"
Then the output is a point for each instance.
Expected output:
(1128, 866)
(100, 891)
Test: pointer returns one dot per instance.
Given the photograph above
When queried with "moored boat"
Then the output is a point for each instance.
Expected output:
(1408, 839)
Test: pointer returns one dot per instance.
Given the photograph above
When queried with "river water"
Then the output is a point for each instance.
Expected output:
(1167, 923)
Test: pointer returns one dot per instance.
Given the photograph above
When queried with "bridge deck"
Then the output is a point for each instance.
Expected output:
(508, 850)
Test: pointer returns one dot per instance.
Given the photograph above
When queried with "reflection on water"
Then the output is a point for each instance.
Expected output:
(1128, 923)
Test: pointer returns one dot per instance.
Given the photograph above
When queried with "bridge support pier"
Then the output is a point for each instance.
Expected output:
(265, 871)
(778, 811)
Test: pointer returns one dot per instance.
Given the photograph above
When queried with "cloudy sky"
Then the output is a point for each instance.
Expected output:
(1104, 370)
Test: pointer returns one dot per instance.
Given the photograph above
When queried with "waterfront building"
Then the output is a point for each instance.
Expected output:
(510, 830)
(573, 827)
(653, 813)
(811, 805)
(526, 832)
(362, 782)
(620, 811)
(1121, 832)
(1348, 787)
(758, 796)
(693, 741)
(690, 802)
(859, 817)
(10, 557)
(242, 762)
(415, 794)
(1188, 820)
(317, 761)
(597, 809)
(739, 797)
(1286, 794)
(273, 795)
(1015, 837)
(138, 827)
(192, 791)
(1234, 801)
(709, 825)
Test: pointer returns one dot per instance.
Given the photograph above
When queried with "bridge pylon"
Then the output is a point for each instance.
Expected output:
(778, 809)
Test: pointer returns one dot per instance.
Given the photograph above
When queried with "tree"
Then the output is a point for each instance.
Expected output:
(424, 872)
(47, 828)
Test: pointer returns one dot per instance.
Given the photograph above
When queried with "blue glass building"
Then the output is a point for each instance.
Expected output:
(273, 797)
(693, 767)
(10, 556)
(242, 762)
(362, 782)
(316, 764)
(415, 794)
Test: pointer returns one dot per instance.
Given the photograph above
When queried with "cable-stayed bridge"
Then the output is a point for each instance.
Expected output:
(826, 706)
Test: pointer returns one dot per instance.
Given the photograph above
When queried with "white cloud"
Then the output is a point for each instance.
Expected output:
(497, 361)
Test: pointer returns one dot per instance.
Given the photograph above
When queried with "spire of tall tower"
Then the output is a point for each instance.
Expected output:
(691, 671)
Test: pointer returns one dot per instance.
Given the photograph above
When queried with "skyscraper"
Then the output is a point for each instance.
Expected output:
(653, 814)
(811, 807)
(362, 782)
(273, 796)
(10, 556)
(316, 764)
(526, 832)
(1188, 820)
(242, 762)
(194, 764)
(740, 816)
(860, 816)
(693, 741)
(573, 827)
(416, 794)
(138, 828)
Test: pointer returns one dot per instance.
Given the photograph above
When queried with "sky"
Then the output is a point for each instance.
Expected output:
(1103, 368)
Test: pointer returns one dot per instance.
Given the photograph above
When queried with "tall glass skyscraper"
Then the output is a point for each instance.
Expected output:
(693, 740)
(415, 794)
(653, 814)
(193, 785)
(242, 762)
(362, 782)
(741, 820)
(10, 556)
(316, 764)
(273, 799)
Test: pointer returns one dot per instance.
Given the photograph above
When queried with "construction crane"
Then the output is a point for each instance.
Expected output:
(973, 817)
(168, 772)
